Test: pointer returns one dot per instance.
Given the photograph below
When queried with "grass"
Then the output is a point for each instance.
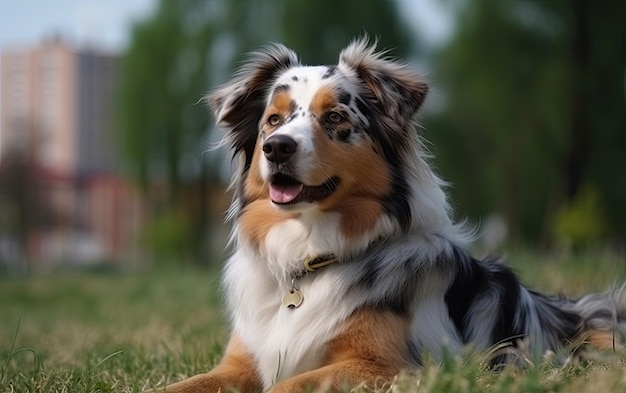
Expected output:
(106, 332)
(123, 332)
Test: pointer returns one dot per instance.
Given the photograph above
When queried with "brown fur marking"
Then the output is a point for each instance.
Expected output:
(370, 349)
(599, 339)
(282, 105)
(324, 99)
(361, 186)
(236, 371)
(254, 186)
(258, 218)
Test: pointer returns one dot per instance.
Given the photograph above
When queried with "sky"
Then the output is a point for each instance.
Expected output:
(104, 23)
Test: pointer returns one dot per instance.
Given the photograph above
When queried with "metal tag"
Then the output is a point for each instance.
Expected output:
(293, 299)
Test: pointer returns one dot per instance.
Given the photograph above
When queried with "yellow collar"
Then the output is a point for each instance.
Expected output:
(311, 263)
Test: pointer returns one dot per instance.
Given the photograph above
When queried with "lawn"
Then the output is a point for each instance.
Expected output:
(122, 332)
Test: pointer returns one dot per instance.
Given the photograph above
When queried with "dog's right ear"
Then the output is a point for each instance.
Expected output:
(239, 104)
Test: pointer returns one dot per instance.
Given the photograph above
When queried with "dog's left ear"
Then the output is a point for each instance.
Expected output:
(393, 89)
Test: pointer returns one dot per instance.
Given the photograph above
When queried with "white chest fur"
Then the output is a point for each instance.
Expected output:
(288, 341)
(284, 341)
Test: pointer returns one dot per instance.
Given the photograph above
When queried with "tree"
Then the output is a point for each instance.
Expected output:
(329, 25)
(163, 76)
(26, 207)
(535, 104)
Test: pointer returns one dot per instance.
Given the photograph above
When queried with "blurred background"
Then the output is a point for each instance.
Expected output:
(104, 139)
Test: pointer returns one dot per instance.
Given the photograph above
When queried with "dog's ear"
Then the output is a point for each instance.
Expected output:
(393, 89)
(239, 104)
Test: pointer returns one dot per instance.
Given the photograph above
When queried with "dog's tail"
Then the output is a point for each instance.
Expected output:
(604, 317)
(557, 322)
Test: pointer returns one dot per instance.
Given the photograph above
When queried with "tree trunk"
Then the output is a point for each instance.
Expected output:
(577, 154)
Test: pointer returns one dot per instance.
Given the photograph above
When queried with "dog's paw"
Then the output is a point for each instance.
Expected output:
(203, 383)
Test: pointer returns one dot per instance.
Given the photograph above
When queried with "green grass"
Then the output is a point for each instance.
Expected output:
(123, 332)
(107, 332)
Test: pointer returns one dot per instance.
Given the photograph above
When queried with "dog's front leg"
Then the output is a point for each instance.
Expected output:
(237, 372)
(339, 377)
(371, 349)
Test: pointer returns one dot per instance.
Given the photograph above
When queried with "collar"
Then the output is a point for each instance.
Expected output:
(313, 263)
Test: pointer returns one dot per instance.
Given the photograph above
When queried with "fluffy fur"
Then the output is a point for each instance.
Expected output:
(329, 162)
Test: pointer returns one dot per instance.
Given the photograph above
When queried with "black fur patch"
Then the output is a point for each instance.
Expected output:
(332, 69)
(345, 97)
(293, 112)
(398, 298)
(415, 354)
(476, 278)
(470, 281)
(281, 88)
(565, 324)
(363, 107)
(396, 203)
(509, 290)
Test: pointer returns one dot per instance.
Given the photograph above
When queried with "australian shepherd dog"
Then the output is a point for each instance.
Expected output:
(348, 266)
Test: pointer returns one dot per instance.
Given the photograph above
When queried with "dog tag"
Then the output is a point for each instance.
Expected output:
(293, 299)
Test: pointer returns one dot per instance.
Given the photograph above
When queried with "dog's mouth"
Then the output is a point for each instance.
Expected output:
(286, 190)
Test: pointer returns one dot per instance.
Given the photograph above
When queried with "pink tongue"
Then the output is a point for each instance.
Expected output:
(284, 193)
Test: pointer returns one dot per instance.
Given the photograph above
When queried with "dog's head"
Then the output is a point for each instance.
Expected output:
(335, 138)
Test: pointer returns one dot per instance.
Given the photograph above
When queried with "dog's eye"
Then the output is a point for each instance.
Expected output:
(335, 118)
(273, 120)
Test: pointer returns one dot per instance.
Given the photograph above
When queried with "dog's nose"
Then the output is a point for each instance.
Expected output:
(279, 148)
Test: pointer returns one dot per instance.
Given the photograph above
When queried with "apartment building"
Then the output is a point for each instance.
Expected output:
(56, 113)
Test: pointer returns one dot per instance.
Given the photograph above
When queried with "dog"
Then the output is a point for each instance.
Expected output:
(347, 265)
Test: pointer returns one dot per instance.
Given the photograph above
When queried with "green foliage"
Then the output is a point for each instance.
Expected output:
(531, 106)
(163, 75)
(168, 237)
(329, 25)
(582, 222)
